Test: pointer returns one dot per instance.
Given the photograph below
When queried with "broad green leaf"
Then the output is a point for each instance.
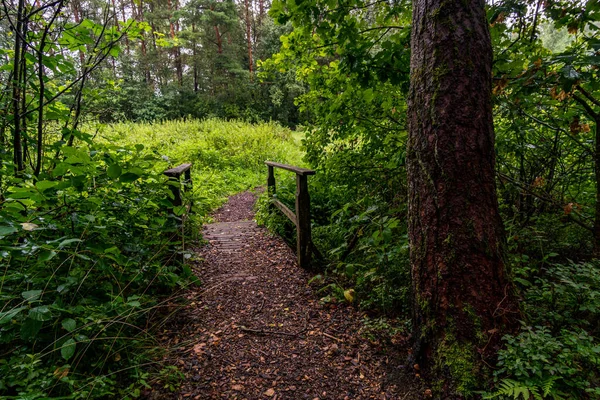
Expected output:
(128, 177)
(179, 210)
(7, 316)
(46, 255)
(6, 230)
(31, 295)
(112, 250)
(68, 242)
(68, 349)
(69, 324)
(45, 185)
(30, 328)
(114, 171)
(41, 313)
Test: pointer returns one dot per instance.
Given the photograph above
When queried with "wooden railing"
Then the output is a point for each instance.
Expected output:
(304, 245)
(174, 174)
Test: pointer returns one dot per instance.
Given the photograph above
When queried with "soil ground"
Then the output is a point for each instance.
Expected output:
(256, 329)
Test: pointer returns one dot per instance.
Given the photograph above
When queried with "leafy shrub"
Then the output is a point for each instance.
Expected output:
(89, 251)
(544, 365)
(85, 251)
(559, 356)
(364, 242)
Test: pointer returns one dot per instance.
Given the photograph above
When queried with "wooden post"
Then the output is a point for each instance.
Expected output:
(176, 189)
(271, 185)
(188, 179)
(301, 219)
(271, 181)
(303, 240)
(174, 175)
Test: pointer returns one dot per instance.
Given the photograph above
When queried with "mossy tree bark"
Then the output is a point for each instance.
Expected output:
(462, 297)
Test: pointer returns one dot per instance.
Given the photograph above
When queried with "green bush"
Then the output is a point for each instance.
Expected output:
(559, 356)
(544, 365)
(86, 251)
(89, 251)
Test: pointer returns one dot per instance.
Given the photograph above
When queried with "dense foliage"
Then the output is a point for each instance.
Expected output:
(91, 250)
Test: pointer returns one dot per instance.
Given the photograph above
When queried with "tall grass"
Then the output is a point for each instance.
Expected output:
(227, 156)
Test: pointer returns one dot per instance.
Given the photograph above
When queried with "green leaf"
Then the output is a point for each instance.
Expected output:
(114, 171)
(7, 316)
(112, 250)
(46, 255)
(179, 210)
(41, 313)
(67, 242)
(68, 349)
(129, 177)
(45, 185)
(31, 295)
(7, 230)
(30, 328)
(69, 324)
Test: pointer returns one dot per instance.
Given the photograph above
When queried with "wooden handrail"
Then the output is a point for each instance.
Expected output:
(177, 171)
(304, 245)
(174, 174)
(297, 170)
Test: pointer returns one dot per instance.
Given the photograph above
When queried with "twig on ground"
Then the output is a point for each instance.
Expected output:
(264, 332)
(331, 336)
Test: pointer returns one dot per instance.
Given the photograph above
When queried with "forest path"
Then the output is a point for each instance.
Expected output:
(255, 329)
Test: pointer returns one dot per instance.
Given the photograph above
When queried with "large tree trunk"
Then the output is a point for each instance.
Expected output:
(463, 301)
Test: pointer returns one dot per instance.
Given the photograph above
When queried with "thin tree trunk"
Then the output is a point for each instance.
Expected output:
(463, 301)
(176, 51)
(24, 93)
(128, 50)
(249, 37)
(77, 17)
(194, 61)
(17, 148)
(219, 42)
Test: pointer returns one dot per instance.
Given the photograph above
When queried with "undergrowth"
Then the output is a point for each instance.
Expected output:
(91, 252)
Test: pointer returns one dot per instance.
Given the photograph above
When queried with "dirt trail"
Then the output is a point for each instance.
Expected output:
(255, 329)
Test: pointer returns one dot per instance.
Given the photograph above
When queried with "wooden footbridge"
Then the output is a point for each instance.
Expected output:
(305, 248)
